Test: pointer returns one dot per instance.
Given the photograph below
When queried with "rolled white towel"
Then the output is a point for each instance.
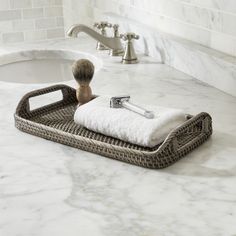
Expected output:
(126, 125)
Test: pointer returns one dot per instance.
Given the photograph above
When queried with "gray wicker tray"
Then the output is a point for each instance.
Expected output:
(55, 122)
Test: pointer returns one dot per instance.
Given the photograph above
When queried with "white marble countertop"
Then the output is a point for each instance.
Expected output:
(51, 189)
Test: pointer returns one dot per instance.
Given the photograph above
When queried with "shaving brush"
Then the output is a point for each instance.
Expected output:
(83, 71)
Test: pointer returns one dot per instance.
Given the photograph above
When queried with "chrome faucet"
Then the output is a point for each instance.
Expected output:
(113, 43)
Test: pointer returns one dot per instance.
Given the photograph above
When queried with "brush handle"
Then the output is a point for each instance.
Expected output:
(84, 94)
(137, 109)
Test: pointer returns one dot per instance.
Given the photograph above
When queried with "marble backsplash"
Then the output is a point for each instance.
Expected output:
(211, 23)
(205, 64)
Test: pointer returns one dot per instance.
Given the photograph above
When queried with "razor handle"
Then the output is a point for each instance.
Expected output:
(137, 109)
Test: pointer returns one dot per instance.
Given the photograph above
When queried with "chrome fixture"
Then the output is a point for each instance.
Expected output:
(113, 43)
(123, 101)
(102, 26)
(129, 56)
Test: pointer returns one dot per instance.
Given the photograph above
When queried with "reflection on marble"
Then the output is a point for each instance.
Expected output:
(207, 65)
(51, 189)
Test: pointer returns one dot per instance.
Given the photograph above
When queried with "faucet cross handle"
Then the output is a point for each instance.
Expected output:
(129, 36)
(130, 56)
(102, 25)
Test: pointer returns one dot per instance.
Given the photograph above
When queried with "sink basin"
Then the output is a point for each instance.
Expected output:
(41, 66)
(37, 71)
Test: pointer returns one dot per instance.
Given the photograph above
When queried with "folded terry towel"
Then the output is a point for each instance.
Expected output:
(126, 125)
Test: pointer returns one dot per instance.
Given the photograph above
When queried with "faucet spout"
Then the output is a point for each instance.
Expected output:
(113, 43)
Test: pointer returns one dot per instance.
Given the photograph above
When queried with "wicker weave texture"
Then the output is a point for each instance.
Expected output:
(55, 122)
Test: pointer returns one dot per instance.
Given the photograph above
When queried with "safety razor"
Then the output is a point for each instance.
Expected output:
(123, 101)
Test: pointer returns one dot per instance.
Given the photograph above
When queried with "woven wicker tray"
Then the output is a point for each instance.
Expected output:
(55, 122)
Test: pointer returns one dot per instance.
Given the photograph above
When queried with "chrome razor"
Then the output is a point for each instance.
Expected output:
(123, 102)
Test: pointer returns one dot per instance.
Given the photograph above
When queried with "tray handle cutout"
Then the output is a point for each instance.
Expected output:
(45, 99)
(203, 120)
(68, 96)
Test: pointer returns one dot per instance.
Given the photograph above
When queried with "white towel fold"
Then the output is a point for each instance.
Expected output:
(126, 125)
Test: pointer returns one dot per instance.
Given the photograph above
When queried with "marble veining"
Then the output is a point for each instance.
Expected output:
(208, 22)
(51, 189)
(208, 65)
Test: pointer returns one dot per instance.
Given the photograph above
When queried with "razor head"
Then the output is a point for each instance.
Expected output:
(116, 102)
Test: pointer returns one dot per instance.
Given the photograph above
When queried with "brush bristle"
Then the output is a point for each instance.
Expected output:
(83, 70)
